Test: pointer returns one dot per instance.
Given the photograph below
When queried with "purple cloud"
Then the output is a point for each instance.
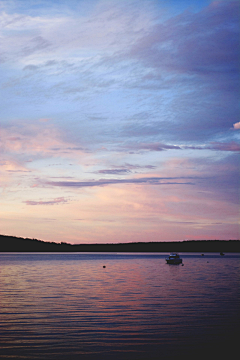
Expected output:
(156, 146)
(133, 167)
(31, 67)
(104, 182)
(114, 171)
(125, 169)
(203, 42)
(231, 146)
(221, 146)
(56, 201)
(197, 56)
(20, 171)
(220, 178)
(36, 44)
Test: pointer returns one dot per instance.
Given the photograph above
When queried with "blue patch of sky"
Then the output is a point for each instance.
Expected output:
(49, 7)
(178, 6)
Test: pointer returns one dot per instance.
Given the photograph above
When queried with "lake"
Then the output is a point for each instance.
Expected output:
(68, 306)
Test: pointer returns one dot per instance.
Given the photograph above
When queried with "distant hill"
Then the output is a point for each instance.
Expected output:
(15, 244)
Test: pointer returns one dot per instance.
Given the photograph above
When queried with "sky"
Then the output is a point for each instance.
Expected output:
(119, 120)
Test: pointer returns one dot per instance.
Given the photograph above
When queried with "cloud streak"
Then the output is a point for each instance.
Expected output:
(56, 201)
(216, 146)
(104, 182)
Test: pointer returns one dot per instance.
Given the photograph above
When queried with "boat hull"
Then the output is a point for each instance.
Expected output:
(174, 261)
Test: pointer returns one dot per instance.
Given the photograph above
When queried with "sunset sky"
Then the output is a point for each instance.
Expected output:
(119, 120)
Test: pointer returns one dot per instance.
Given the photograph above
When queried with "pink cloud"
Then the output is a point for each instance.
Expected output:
(35, 139)
(236, 126)
(29, 138)
(12, 165)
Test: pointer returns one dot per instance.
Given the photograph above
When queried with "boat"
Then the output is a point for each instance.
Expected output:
(174, 259)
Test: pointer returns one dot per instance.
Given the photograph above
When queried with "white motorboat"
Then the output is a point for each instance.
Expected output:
(174, 259)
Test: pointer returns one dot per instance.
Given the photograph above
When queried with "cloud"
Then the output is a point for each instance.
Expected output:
(172, 44)
(231, 146)
(192, 62)
(136, 166)
(125, 169)
(114, 171)
(30, 138)
(217, 178)
(105, 182)
(222, 178)
(106, 28)
(13, 165)
(122, 47)
(56, 201)
(154, 146)
(19, 171)
(30, 67)
(36, 140)
(136, 96)
(216, 146)
(38, 43)
(236, 126)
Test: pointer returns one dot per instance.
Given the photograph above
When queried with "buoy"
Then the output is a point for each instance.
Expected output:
(104, 266)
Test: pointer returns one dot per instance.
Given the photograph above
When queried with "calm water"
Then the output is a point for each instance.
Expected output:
(67, 306)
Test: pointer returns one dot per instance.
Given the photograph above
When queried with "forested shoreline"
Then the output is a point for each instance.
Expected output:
(18, 244)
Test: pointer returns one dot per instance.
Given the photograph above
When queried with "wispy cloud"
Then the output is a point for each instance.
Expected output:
(221, 146)
(125, 169)
(56, 201)
(114, 171)
(104, 182)
(231, 146)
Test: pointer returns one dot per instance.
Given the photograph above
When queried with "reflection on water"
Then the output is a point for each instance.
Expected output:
(67, 306)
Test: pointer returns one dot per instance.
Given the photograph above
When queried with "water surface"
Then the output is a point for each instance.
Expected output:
(67, 306)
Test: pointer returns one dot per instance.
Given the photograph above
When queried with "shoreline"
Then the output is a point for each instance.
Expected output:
(18, 244)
